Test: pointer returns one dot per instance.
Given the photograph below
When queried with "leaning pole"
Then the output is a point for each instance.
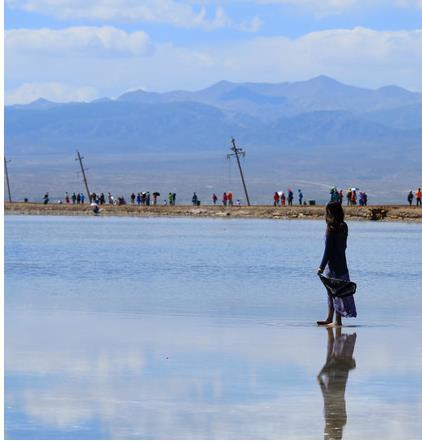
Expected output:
(237, 152)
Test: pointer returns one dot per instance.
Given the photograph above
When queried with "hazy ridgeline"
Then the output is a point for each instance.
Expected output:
(307, 135)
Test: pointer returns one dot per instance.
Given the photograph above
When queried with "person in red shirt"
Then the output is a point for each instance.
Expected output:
(276, 199)
(419, 197)
(230, 198)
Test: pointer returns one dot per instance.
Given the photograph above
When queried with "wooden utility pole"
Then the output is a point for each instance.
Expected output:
(239, 152)
(79, 158)
(7, 178)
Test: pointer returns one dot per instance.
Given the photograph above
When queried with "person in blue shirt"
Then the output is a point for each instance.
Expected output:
(334, 196)
(335, 265)
(194, 199)
(289, 197)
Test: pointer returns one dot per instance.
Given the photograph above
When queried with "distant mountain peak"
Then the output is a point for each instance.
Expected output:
(222, 85)
(394, 91)
(392, 87)
(101, 100)
(138, 95)
(41, 100)
(39, 104)
(323, 79)
(269, 100)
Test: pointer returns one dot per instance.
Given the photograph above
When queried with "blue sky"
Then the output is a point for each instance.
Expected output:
(78, 50)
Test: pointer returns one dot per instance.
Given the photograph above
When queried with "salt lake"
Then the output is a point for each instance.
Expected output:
(205, 328)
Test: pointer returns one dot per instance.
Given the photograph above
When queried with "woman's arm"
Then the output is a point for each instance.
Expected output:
(327, 252)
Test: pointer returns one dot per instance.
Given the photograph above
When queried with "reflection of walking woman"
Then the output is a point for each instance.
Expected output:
(333, 379)
(335, 258)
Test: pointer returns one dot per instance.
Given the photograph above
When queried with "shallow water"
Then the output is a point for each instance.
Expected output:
(203, 328)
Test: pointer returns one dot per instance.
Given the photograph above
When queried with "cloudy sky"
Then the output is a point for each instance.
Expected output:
(67, 50)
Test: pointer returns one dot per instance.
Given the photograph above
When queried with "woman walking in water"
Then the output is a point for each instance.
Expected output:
(335, 258)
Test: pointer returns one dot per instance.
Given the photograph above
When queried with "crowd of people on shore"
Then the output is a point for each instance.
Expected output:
(280, 198)
(351, 197)
(142, 198)
(227, 199)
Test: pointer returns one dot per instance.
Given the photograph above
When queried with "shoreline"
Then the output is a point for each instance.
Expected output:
(396, 213)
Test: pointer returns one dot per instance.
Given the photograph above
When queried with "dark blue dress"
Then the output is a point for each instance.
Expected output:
(335, 265)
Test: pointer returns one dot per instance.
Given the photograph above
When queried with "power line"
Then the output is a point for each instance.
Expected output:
(239, 152)
(7, 178)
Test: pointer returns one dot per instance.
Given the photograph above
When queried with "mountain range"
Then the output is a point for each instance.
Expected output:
(310, 134)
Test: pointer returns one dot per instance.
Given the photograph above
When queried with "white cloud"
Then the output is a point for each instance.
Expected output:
(253, 25)
(58, 92)
(176, 13)
(357, 56)
(409, 3)
(100, 41)
(321, 7)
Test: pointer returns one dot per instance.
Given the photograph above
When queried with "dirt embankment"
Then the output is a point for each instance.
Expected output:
(386, 212)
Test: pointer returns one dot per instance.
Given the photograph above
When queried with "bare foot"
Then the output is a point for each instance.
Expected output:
(334, 325)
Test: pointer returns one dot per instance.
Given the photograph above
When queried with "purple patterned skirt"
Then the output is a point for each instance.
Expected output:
(345, 306)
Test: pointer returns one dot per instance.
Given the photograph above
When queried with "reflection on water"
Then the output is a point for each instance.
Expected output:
(333, 380)
(121, 328)
(78, 375)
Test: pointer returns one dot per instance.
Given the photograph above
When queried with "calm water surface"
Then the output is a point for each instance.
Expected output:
(191, 328)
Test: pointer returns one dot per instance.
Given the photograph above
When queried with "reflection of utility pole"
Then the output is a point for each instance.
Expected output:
(239, 152)
(7, 178)
(79, 158)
